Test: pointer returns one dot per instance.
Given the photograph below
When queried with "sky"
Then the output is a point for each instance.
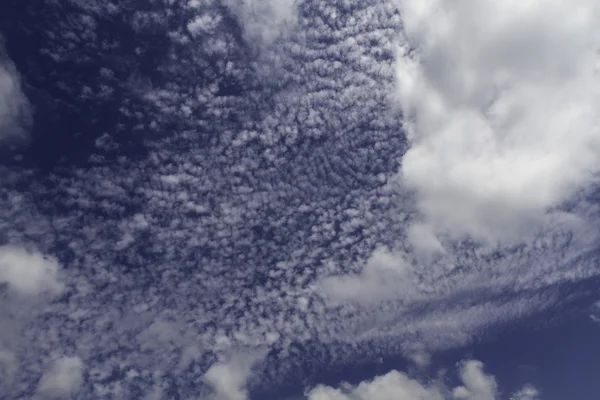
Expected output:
(299, 200)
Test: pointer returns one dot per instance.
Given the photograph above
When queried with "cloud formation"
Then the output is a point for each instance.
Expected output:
(527, 393)
(28, 272)
(228, 378)
(63, 378)
(264, 21)
(499, 103)
(393, 385)
(476, 385)
(15, 110)
(252, 190)
(385, 275)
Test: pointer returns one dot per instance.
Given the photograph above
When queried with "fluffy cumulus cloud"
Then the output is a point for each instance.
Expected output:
(393, 385)
(27, 272)
(499, 103)
(476, 385)
(385, 275)
(63, 378)
(527, 393)
(15, 109)
(228, 378)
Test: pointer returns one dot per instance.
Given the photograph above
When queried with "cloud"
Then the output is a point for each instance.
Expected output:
(264, 21)
(386, 275)
(15, 110)
(499, 104)
(527, 393)
(28, 273)
(228, 378)
(393, 385)
(244, 197)
(64, 377)
(476, 385)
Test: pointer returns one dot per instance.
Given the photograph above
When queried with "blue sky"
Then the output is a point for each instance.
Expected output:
(243, 200)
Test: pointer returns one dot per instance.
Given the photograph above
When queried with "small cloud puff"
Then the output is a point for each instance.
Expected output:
(228, 378)
(28, 273)
(264, 20)
(527, 393)
(476, 384)
(64, 378)
(386, 275)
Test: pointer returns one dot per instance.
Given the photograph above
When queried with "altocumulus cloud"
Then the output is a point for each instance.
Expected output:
(267, 211)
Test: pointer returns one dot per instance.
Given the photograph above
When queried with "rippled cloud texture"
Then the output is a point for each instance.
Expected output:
(246, 194)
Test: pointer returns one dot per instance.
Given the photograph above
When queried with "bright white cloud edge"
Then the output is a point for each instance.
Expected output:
(15, 110)
(499, 103)
(395, 385)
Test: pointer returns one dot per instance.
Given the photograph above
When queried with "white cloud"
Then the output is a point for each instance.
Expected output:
(15, 111)
(476, 385)
(499, 103)
(595, 312)
(264, 20)
(228, 378)
(527, 393)
(64, 377)
(334, 82)
(385, 275)
(391, 386)
(424, 241)
(202, 24)
(421, 359)
(28, 273)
